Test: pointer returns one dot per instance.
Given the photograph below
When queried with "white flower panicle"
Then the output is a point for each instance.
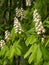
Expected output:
(38, 23)
(17, 26)
(28, 2)
(17, 12)
(20, 12)
(43, 38)
(7, 35)
(2, 43)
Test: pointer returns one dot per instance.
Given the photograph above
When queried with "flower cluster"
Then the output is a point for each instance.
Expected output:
(28, 2)
(38, 23)
(2, 43)
(43, 38)
(7, 35)
(17, 26)
(20, 13)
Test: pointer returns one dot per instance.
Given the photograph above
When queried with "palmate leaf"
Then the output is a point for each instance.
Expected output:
(3, 51)
(12, 34)
(10, 53)
(32, 30)
(0, 62)
(29, 51)
(30, 40)
(46, 24)
(5, 62)
(46, 63)
(39, 55)
(15, 50)
(45, 53)
(35, 54)
(47, 43)
(40, 5)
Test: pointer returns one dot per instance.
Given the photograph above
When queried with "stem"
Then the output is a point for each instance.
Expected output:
(19, 60)
(10, 12)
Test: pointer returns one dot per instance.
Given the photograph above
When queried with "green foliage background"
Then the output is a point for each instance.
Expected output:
(24, 49)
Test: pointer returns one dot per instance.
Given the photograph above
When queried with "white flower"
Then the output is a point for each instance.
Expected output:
(28, 2)
(17, 12)
(17, 26)
(35, 11)
(43, 30)
(42, 39)
(2, 43)
(7, 35)
(38, 23)
(19, 32)
(39, 32)
(20, 13)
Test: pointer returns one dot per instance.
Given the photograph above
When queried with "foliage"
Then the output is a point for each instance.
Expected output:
(25, 48)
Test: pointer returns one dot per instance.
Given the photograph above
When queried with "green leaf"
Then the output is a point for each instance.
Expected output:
(10, 53)
(31, 31)
(17, 51)
(5, 62)
(46, 24)
(29, 51)
(33, 55)
(3, 51)
(46, 63)
(30, 40)
(12, 35)
(17, 48)
(45, 53)
(0, 62)
(47, 43)
(16, 44)
(12, 50)
(39, 55)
